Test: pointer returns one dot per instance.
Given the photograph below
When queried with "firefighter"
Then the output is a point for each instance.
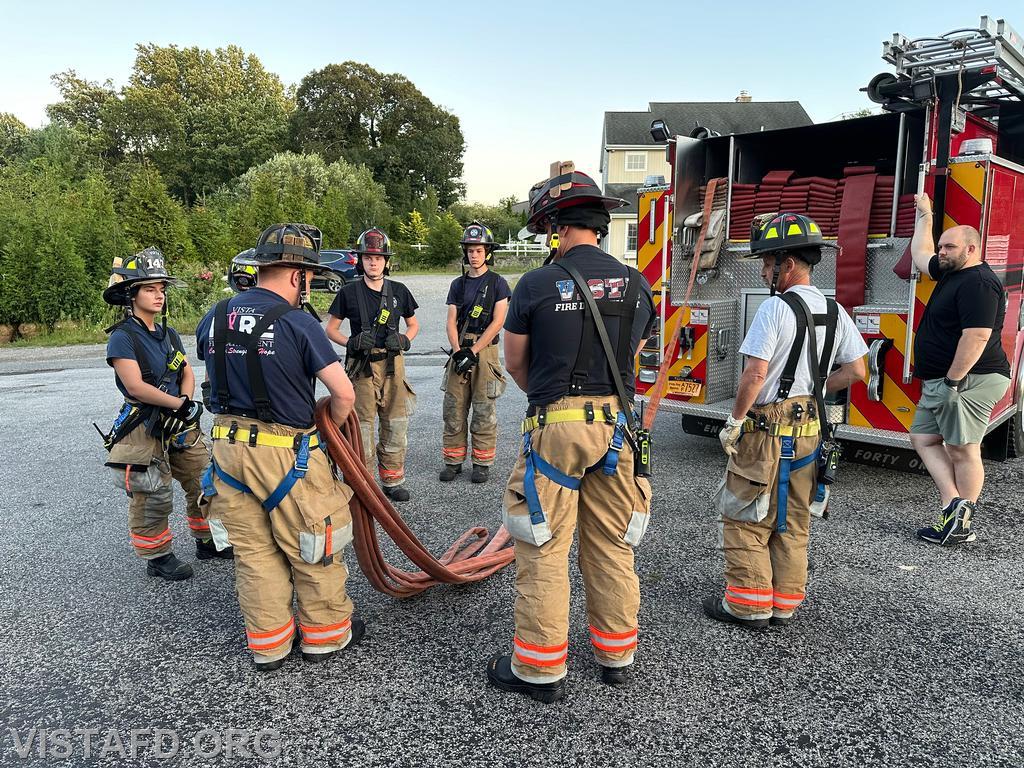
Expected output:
(374, 357)
(477, 305)
(271, 490)
(577, 463)
(241, 272)
(772, 436)
(156, 436)
(958, 356)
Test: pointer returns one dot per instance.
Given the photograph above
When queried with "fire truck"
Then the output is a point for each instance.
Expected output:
(952, 125)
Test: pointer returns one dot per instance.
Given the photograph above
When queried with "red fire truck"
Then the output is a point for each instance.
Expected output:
(952, 125)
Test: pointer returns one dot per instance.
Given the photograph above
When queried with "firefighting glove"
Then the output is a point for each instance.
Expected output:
(397, 342)
(361, 342)
(185, 417)
(206, 388)
(463, 361)
(730, 435)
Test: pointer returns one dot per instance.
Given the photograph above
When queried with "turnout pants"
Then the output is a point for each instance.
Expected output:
(150, 494)
(390, 401)
(611, 513)
(296, 547)
(478, 391)
(765, 568)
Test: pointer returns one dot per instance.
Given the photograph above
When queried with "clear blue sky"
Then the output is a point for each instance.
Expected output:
(530, 81)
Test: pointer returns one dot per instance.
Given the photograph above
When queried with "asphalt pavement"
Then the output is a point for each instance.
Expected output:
(903, 655)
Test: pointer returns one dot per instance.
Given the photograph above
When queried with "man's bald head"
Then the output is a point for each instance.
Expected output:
(959, 247)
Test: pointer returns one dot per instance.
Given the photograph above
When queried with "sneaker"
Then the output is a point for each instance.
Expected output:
(396, 492)
(616, 676)
(358, 631)
(169, 567)
(954, 526)
(480, 473)
(449, 472)
(501, 676)
(713, 610)
(207, 550)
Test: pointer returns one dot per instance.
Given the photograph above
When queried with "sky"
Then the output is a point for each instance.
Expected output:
(529, 81)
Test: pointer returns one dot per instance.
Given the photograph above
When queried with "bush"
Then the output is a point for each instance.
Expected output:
(443, 245)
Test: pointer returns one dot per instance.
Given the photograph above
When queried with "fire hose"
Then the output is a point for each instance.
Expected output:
(471, 558)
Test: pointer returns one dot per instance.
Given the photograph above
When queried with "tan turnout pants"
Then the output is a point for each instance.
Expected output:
(611, 512)
(390, 401)
(478, 391)
(298, 546)
(151, 498)
(765, 570)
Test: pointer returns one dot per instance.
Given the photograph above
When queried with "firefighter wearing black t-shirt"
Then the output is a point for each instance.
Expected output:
(477, 304)
(963, 369)
(577, 461)
(373, 360)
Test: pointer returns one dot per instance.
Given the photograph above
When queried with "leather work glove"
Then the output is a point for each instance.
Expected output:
(406, 343)
(730, 435)
(361, 342)
(392, 343)
(206, 387)
(463, 361)
(185, 417)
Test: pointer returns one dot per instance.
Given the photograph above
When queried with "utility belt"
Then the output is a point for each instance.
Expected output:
(134, 414)
(358, 365)
(301, 444)
(469, 338)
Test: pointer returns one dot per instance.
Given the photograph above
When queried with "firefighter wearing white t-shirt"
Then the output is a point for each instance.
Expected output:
(773, 435)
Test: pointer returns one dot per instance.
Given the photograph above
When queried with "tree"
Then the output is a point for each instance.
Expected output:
(504, 223)
(443, 244)
(384, 122)
(150, 216)
(414, 230)
(211, 236)
(12, 137)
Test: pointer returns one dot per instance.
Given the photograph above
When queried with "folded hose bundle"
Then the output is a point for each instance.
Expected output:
(471, 558)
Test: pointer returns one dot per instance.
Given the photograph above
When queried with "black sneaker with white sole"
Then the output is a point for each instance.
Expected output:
(954, 526)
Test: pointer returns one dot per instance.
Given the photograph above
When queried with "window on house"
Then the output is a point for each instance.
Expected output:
(636, 161)
(631, 237)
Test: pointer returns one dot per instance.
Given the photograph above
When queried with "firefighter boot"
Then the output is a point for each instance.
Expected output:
(449, 472)
(501, 676)
(480, 473)
(358, 630)
(954, 526)
(396, 492)
(207, 550)
(169, 567)
(713, 609)
(616, 676)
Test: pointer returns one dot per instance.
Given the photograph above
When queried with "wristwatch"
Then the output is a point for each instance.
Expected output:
(953, 383)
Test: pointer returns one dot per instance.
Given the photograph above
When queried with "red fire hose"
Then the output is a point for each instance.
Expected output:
(471, 558)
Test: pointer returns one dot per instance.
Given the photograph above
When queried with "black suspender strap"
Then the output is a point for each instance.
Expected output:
(831, 323)
(819, 368)
(788, 377)
(253, 365)
(602, 332)
(220, 344)
(363, 300)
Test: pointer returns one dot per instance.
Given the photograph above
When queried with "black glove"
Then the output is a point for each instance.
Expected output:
(463, 361)
(206, 387)
(392, 343)
(361, 342)
(406, 343)
(186, 416)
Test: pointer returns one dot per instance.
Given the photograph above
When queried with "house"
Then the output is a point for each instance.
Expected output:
(629, 155)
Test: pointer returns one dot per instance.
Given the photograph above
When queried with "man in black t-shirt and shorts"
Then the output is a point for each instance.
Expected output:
(963, 370)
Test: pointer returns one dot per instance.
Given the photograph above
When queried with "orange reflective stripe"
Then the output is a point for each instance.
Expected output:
(391, 474)
(613, 635)
(539, 662)
(541, 648)
(484, 454)
(198, 524)
(455, 453)
(788, 597)
(613, 648)
(271, 633)
(746, 591)
(273, 638)
(340, 625)
(745, 601)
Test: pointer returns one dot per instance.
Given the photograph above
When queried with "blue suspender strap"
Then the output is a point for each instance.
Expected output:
(534, 464)
(227, 479)
(788, 464)
(611, 459)
(295, 474)
(209, 489)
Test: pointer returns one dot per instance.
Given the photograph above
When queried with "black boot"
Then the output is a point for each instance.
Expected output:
(501, 676)
(169, 567)
(358, 631)
(449, 472)
(480, 473)
(396, 492)
(617, 676)
(713, 610)
(207, 550)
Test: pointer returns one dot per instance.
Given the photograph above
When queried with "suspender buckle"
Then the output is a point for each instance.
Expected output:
(254, 432)
(588, 412)
(606, 409)
(542, 416)
(788, 448)
(301, 454)
(231, 432)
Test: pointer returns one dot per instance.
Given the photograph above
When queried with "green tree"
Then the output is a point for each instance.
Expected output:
(384, 122)
(96, 229)
(211, 236)
(150, 216)
(443, 245)
(13, 134)
(504, 223)
(414, 230)
(331, 215)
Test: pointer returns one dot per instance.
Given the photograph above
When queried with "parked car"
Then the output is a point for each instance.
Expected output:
(342, 264)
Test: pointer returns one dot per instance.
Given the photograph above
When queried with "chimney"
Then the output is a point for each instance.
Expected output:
(744, 97)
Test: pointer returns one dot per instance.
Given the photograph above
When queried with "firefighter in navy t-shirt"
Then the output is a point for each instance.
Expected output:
(577, 464)
(271, 489)
(156, 436)
(474, 379)
(374, 361)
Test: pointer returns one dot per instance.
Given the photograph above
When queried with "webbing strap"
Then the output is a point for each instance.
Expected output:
(611, 459)
(534, 464)
(819, 367)
(171, 342)
(254, 365)
(787, 465)
(296, 473)
(484, 299)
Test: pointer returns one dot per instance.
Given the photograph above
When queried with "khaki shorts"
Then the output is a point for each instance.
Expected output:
(961, 417)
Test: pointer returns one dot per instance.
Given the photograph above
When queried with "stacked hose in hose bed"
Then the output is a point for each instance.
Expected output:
(471, 558)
